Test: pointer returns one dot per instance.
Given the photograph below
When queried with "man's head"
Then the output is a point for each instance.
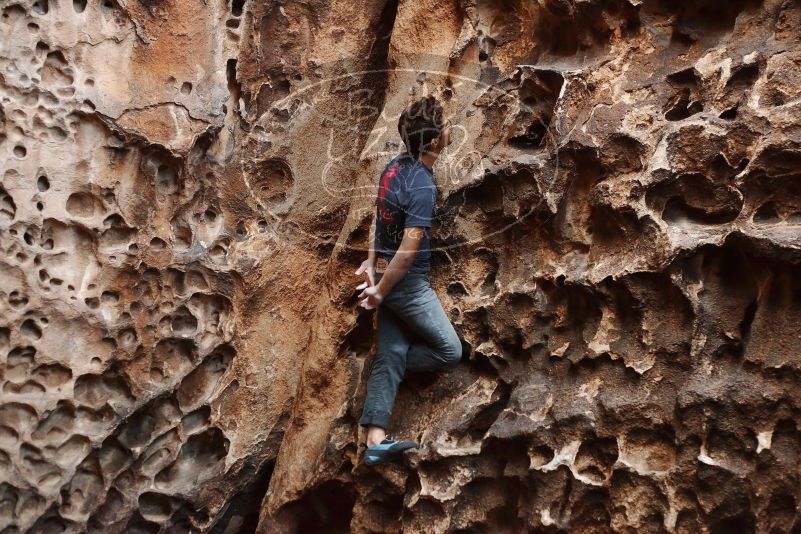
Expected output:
(423, 127)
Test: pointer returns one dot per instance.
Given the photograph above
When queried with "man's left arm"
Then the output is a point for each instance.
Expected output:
(398, 267)
(368, 266)
(419, 212)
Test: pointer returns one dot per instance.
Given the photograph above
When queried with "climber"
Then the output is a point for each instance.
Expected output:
(414, 333)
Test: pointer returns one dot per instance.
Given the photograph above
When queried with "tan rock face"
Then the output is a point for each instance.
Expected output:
(187, 187)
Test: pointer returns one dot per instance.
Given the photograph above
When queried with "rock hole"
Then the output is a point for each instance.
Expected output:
(20, 151)
(184, 324)
(538, 93)
(199, 459)
(117, 237)
(174, 357)
(457, 288)
(234, 88)
(79, 5)
(157, 244)
(52, 375)
(196, 420)
(109, 297)
(595, 458)
(767, 213)
(29, 387)
(138, 525)
(107, 7)
(182, 236)
(55, 72)
(98, 390)
(30, 329)
(686, 99)
(75, 447)
(81, 205)
(199, 385)
(127, 339)
(18, 416)
(167, 176)
(218, 252)
(744, 77)
(155, 506)
(137, 431)
(160, 453)
(8, 436)
(186, 88)
(111, 511)
(57, 133)
(241, 230)
(540, 455)
(273, 181)
(21, 356)
(328, 507)
(114, 220)
(41, 7)
(485, 417)
(682, 106)
(8, 210)
(694, 198)
(17, 299)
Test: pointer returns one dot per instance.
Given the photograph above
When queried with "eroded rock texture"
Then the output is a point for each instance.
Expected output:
(187, 187)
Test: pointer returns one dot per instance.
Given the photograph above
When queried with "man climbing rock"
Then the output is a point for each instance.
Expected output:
(414, 333)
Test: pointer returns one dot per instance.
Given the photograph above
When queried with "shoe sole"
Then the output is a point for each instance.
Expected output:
(377, 457)
(384, 455)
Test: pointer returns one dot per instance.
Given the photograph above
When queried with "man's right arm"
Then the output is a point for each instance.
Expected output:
(402, 260)
(372, 240)
(398, 267)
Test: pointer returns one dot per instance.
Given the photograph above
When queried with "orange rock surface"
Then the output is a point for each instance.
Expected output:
(187, 188)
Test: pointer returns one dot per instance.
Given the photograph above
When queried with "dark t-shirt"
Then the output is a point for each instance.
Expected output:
(406, 198)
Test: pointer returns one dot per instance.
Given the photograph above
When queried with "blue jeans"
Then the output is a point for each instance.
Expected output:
(414, 334)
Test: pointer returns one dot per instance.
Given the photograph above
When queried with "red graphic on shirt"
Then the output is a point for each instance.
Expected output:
(383, 189)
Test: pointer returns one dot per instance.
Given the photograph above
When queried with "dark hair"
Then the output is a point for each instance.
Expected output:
(420, 123)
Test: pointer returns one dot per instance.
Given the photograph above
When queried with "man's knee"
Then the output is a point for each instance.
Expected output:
(452, 353)
(390, 357)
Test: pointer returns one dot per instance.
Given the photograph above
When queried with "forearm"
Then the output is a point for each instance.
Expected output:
(396, 270)
(401, 262)
(371, 243)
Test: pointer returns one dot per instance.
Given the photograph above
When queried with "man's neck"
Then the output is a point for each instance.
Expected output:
(428, 160)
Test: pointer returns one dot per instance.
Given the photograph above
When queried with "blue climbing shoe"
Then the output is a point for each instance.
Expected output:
(389, 449)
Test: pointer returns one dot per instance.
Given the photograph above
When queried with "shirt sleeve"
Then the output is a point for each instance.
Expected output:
(419, 207)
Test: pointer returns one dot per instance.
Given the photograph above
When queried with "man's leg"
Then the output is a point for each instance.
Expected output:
(388, 369)
(418, 306)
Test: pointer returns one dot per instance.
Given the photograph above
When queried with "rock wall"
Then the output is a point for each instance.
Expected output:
(187, 187)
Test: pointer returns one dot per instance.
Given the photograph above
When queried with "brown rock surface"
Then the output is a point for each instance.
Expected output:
(187, 187)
